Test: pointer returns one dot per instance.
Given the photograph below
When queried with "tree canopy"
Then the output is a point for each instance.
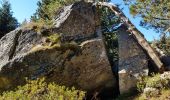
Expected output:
(47, 8)
(7, 21)
(154, 13)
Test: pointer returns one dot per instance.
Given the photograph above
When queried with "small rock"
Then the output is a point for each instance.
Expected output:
(151, 91)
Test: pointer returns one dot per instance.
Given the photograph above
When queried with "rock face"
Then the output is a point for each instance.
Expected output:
(23, 54)
(132, 61)
(166, 61)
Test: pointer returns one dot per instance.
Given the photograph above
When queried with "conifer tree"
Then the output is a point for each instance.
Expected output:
(154, 13)
(47, 8)
(7, 21)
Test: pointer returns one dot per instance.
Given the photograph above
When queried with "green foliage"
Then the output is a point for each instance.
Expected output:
(156, 81)
(163, 44)
(40, 90)
(158, 84)
(7, 21)
(162, 86)
(47, 8)
(112, 46)
(141, 84)
(154, 13)
(110, 23)
(54, 38)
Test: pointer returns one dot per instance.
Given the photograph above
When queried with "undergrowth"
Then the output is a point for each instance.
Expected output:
(40, 90)
(155, 87)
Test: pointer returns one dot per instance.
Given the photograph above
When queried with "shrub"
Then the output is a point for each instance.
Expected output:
(163, 44)
(40, 90)
(163, 95)
(54, 38)
(155, 87)
(156, 81)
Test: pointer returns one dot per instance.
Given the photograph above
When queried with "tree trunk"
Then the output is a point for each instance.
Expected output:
(136, 33)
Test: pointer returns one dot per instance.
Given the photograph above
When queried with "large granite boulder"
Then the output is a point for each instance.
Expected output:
(79, 60)
(133, 62)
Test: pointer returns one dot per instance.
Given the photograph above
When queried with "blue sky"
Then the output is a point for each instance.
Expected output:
(23, 9)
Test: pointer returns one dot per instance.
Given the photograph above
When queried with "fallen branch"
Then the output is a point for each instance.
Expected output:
(136, 33)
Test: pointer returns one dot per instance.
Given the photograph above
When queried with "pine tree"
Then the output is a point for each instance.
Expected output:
(34, 17)
(154, 13)
(47, 8)
(42, 10)
(7, 21)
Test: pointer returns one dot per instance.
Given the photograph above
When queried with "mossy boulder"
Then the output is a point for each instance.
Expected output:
(78, 58)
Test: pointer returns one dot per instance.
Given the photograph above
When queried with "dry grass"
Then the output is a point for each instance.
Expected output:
(38, 25)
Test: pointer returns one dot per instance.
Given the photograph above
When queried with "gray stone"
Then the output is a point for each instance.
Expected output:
(77, 21)
(132, 61)
(84, 64)
(79, 60)
(151, 91)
